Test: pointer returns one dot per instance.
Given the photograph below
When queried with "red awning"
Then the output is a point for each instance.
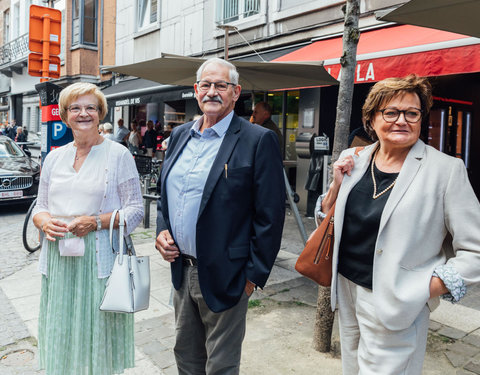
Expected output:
(397, 51)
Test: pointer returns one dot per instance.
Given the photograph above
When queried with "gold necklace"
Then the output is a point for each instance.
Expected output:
(77, 157)
(375, 195)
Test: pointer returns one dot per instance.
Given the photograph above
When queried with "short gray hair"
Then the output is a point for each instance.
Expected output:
(232, 70)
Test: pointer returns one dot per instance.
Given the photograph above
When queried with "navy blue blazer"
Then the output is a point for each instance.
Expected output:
(241, 215)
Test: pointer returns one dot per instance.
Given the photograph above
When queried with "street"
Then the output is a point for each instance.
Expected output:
(14, 256)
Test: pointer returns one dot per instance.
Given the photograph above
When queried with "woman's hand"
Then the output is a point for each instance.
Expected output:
(166, 246)
(340, 167)
(437, 287)
(82, 225)
(54, 228)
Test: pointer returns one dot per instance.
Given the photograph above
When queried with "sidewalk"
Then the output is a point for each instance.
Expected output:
(279, 323)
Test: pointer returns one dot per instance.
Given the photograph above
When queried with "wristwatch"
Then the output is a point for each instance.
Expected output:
(99, 222)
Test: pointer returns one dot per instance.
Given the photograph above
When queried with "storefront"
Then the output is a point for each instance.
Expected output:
(141, 100)
(452, 62)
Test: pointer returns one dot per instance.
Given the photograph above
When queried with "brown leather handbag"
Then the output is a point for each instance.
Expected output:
(315, 261)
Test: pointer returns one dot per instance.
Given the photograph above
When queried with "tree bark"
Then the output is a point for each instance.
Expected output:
(322, 335)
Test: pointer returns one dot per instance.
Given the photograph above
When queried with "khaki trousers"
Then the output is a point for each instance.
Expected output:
(206, 342)
(368, 348)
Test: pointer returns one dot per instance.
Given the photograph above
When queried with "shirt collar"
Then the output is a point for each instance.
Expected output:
(220, 128)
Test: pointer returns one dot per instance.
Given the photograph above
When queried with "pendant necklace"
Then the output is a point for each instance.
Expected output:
(375, 195)
(81, 156)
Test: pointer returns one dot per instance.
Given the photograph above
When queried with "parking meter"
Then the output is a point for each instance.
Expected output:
(54, 132)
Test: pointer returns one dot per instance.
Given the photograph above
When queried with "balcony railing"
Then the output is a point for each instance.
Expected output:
(14, 51)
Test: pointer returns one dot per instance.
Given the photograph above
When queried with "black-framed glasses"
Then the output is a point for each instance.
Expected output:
(392, 114)
(219, 86)
(76, 109)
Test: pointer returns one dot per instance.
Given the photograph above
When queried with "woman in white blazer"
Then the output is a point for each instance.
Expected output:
(407, 230)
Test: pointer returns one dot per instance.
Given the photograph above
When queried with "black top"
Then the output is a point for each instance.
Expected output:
(360, 227)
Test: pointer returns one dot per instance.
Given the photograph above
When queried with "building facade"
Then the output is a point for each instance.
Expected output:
(87, 41)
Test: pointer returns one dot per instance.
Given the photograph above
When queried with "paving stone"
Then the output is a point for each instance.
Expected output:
(452, 333)
(464, 372)
(473, 365)
(434, 326)
(163, 359)
(456, 359)
(172, 370)
(464, 348)
(153, 347)
(472, 339)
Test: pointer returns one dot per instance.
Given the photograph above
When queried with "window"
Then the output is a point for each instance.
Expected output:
(16, 21)
(233, 10)
(26, 18)
(6, 26)
(147, 13)
(84, 22)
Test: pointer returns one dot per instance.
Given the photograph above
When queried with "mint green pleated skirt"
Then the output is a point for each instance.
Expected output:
(75, 337)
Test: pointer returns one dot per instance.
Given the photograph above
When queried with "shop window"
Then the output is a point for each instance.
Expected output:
(174, 113)
(84, 22)
(147, 13)
(233, 10)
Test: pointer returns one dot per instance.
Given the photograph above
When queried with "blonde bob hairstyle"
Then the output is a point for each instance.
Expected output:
(384, 91)
(74, 91)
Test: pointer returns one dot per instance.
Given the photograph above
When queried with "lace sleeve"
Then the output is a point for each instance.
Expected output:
(42, 195)
(319, 215)
(131, 200)
(452, 280)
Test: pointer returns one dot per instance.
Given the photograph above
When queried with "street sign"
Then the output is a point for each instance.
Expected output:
(39, 34)
(35, 65)
(54, 132)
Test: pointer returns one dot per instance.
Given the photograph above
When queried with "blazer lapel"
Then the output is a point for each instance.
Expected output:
(409, 170)
(228, 144)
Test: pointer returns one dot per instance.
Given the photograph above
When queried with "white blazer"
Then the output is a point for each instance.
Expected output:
(431, 211)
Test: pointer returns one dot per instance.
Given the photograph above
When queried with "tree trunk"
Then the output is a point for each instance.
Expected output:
(324, 318)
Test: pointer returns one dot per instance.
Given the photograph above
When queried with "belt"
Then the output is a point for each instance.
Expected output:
(188, 260)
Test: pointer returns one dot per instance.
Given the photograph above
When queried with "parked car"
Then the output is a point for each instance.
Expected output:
(19, 174)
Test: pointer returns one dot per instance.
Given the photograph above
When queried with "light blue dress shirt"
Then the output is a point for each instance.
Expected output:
(186, 181)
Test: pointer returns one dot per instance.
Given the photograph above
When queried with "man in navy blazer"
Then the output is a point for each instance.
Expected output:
(219, 222)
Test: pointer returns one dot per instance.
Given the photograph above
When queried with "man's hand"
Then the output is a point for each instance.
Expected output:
(166, 246)
(249, 287)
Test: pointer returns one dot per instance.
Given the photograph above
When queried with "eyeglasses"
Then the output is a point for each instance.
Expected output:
(76, 109)
(410, 115)
(219, 86)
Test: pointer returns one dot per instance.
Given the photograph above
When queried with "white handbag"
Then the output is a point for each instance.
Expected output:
(128, 287)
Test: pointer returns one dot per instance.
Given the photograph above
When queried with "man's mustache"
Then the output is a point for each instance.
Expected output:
(215, 98)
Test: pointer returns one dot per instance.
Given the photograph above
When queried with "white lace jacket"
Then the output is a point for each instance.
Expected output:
(122, 190)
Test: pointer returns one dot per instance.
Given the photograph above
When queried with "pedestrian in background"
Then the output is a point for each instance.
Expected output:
(262, 115)
(80, 186)
(150, 139)
(108, 131)
(134, 138)
(219, 222)
(402, 209)
(121, 135)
